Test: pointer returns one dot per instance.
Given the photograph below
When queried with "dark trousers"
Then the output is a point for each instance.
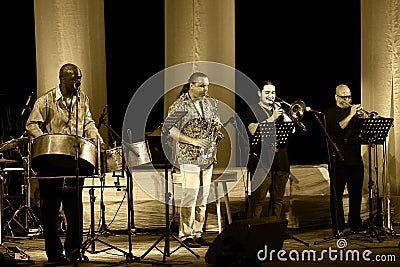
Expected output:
(53, 193)
(275, 183)
(353, 177)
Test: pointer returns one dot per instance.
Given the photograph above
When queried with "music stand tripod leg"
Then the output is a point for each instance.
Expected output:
(167, 234)
(371, 228)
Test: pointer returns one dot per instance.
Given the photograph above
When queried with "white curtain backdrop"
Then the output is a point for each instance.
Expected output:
(380, 43)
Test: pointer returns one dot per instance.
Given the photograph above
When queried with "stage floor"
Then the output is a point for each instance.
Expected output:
(142, 253)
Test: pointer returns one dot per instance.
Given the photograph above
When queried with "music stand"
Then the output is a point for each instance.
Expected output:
(369, 131)
(169, 122)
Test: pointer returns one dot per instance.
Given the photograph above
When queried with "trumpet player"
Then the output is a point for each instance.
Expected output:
(348, 171)
(268, 170)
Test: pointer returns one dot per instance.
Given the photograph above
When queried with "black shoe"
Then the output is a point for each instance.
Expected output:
(200, 240)
(58, 260)
(74, 256)
(358, 230)
(191, 243)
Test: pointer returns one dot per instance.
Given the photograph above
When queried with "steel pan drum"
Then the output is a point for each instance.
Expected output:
(112, 160)
(55, 154)
(137, 154)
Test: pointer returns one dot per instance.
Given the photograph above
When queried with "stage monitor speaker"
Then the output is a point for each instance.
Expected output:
(249, 240)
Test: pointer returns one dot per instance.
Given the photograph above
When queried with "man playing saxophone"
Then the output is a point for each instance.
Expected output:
(196, 137)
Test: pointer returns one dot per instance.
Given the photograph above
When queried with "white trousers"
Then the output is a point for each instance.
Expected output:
(195, 191)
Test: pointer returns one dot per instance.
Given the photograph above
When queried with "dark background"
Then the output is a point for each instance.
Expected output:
(306, 47)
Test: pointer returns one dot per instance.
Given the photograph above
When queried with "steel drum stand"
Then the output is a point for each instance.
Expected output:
(91, 241)
(29, 220)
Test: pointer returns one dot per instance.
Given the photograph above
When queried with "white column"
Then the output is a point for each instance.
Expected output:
(72, 31)
(198, 31)
(380, 42)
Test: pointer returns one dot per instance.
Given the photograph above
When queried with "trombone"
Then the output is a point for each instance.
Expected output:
(296, 110)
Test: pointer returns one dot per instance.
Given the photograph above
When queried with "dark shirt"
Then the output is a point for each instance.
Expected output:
(351, 152)
(255, 114)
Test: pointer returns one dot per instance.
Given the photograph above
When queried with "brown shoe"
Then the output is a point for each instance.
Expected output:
(200, 240)
(191, 243)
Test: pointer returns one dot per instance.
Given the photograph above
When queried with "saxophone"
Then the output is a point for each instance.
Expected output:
(207, 128)
(213, 134)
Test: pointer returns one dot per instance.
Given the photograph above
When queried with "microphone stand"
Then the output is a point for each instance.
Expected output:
(78, 194)
(331, 166)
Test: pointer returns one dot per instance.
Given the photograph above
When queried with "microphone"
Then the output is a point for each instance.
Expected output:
(27, 103)
(77, 86)
(101, 119)
(308, 109)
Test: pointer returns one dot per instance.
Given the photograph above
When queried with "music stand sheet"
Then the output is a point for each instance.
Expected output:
(273, 133)
(370, 130)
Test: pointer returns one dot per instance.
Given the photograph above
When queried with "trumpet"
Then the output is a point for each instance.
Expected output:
(362, 113)
(296, 110)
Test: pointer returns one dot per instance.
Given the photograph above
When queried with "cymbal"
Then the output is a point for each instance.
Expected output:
(7, 161)
(13, 143)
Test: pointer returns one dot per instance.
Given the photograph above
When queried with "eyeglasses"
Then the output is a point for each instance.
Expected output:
(345, 97)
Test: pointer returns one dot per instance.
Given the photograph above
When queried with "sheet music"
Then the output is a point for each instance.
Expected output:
(370, 130)
(273, 134)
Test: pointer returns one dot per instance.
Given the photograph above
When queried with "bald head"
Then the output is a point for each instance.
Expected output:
(70, 79)
(69, 69)
(343, 96)
(343, 89)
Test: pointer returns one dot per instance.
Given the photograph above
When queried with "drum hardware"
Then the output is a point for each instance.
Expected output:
(8, 250)
(14, 143)
(28, 220)
(7, 161)
(103, 227)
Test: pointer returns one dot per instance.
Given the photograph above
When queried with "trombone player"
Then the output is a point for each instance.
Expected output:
(340, 120)
(269, 170)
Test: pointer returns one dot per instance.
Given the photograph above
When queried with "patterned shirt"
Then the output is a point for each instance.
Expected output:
(52, 113)
(199, 122)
